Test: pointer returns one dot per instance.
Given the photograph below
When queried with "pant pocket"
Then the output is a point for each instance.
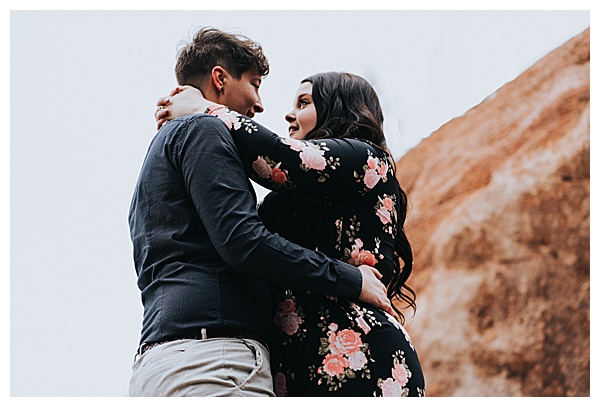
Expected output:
(259, 381)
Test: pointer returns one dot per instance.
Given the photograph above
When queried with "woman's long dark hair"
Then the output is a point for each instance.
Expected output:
(348, 107)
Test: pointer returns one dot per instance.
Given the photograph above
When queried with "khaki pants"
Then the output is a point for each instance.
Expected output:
(209, 367)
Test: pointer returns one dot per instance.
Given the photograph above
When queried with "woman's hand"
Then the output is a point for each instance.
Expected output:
(181, 101)
(373, 291)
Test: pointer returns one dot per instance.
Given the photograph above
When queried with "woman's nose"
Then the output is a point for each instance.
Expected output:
(290, 117)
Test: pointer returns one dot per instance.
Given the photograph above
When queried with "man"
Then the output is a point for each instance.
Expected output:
(203, 257)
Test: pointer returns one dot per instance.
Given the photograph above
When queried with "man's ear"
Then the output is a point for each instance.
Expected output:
(218, 78)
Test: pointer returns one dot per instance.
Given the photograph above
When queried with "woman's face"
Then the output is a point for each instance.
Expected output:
(303, 116)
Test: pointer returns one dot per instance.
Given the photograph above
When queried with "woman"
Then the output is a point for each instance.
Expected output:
(334, 191)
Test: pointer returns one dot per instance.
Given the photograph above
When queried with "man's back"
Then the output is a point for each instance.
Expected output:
(185, 282)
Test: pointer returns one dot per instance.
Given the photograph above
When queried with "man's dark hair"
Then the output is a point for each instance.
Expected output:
(211, 47)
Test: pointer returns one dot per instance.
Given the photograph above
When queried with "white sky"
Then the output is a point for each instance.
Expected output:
(82, 90)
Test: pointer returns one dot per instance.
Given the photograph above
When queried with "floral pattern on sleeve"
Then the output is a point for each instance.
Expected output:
(271, 171)
(231, 118)
(312, 157)
(375, 170)
(386, 211)
(226, 115)
(352, 166)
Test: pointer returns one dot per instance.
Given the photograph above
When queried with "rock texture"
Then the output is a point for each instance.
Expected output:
(499, 220)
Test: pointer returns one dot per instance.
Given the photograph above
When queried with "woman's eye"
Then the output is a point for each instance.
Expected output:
(303, 102)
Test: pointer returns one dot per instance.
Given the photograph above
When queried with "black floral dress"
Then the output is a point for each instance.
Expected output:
(337, 196)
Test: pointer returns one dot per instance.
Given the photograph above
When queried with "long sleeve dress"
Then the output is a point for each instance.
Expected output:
(339, 197)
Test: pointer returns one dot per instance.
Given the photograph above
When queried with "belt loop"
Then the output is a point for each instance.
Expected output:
(203, 333)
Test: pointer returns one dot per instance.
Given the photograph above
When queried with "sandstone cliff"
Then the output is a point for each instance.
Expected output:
(499, 220)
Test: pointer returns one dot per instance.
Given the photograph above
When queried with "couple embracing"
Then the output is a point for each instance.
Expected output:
(293, 298)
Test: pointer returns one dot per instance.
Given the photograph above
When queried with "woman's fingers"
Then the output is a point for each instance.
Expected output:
(179, 89)
(160, 123)
(163, 101)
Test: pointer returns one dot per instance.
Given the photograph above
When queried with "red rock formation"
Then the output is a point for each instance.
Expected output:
(499, 220)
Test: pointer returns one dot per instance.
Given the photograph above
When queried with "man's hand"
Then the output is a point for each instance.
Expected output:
(373, 291)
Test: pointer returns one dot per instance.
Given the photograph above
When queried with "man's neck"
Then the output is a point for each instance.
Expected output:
(211, 95)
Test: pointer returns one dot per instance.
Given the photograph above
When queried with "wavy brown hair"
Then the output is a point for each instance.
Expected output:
(211, 47)
(348, 107)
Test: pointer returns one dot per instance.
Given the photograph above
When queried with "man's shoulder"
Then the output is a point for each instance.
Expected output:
(184, 126)
(195, 131)
(202, 121)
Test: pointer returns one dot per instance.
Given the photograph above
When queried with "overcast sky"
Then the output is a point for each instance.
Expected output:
(83, 89)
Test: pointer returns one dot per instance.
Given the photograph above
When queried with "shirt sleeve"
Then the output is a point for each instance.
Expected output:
(333, 167)
(209, 165)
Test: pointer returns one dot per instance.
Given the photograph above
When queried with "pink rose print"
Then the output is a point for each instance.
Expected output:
(288, 318)
(313, 158)
(278, 176)
(358, 243)
(359, 257)
(345, 342)
(215, 109)
(384, 215)
(288, 306)
(400, 374)
(375, 170)
(226, 115)
(394, 386)
(280, 385)
(372, 163)
(366, 257)
(357, 360)
(382, 169)
(262, 168)
(388, 203)
(291, 323)
(371, 178)
(266, 168)
(386, 210)
(294, 144)
(345, 353)
(391, 388)
(335, 364)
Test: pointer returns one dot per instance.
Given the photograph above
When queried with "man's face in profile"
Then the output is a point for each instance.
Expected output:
(242, 95)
